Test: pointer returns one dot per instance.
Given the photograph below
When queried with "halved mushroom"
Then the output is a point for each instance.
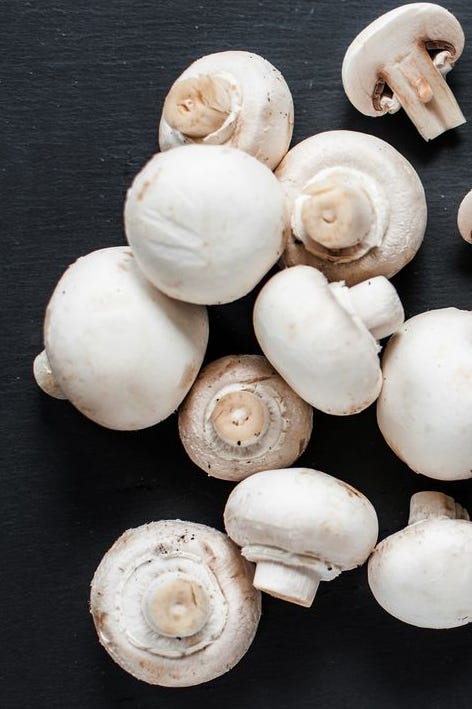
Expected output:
(300, 527)
(205, 223)
(423, 574)
(400, 60)
(425, 409)
(464, 218)
(173, 603)
(357, 207)
(241, 417)
(123, 353)
(230, 98)
(322, 337)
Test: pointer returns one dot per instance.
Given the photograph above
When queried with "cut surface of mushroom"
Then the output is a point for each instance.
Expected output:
(44, 377)
(422, 575)
(464, 218)
(400, 60)
(241, 417)
(322, 337)
(230, 98)
(123, 353)
(205, 223)
(173, 603)
(357, 207)
(300, 527)
(425, 409)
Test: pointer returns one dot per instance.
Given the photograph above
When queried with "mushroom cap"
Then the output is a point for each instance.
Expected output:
(399, 202)
(324, 351)
(425, 408)
(139, 559)
(464, 218)
(423, 574)
(123, 353)
(303, 511)
(288, 429)
(387, 40)
(205, 222)
(263, 125)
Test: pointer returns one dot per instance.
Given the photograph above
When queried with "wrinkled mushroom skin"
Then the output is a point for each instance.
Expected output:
(241, 417)
(422, 575)
(230, 98)
(300, 526)
(400, 60)
(425, 409)
(205, 223)
(123, 353)
(356, 205)
(464, 218)
(173, 603)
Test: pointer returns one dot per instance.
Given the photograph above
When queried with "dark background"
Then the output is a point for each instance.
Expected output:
(82, 85)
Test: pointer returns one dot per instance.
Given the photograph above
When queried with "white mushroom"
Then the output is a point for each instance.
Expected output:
(464, 218)
(241, 417)
(173, 603)
(357, 207)
(423, 574)
(230, 98)
(322, 337)
(123, 353)
(205, 223)
(400, 60)
(301, 527)
(425, 409)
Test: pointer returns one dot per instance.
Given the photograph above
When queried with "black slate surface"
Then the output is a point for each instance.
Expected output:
(81, 87)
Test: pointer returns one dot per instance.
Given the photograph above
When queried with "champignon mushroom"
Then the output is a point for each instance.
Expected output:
(123, 353)
(241, 417)
(322, 337)
(357, 207)
(464, 218)
(400, 60)
(422, 575)
(300, 527)
(173, 603)
(205, 222)
(425, 409)
(230, 98)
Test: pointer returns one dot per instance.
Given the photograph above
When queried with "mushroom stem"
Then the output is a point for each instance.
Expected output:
(433, 505)
(176, 607)
(45, 378)
(377, 303)
(240, 418)
(198, 106)
(424, 94)
(290, 583)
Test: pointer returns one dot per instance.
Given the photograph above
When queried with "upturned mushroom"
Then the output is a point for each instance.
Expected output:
(230, 98)
(300, 527)
(322, 337)
(173, 603)
(240, 417)
(123, 353)
(400, 60)
(464, 218)
(357, 207)
(422, 575)
(205, 223)
(425, 409)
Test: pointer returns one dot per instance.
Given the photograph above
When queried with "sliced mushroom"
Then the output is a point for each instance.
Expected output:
(322, 337)
(400, 60)
(173, 603)
(423, 574)
(205, 223)
(357, 207)
(241, 417)
(230, 98)
(123, 353)
(464, 218)
(300, 527)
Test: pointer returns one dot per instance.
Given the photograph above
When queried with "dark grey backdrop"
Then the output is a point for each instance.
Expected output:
(82, 84)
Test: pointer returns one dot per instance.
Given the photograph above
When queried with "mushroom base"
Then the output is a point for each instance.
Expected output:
(296, 585)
